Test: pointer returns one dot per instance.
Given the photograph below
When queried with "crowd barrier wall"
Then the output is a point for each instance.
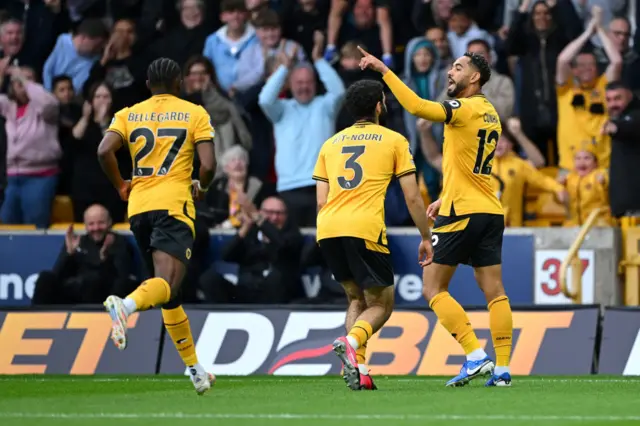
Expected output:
(247, 340)
(531, 265)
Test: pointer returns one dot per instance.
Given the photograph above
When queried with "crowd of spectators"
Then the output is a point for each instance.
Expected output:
(272, 74)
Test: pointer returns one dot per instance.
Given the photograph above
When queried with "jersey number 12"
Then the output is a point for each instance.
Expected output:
(484, 167)
(179, 136)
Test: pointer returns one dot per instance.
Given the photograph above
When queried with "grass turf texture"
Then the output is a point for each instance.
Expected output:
(293, 401)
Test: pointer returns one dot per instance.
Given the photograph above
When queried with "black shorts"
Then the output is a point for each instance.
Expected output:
(350, 260)
(158, 230)
(472, 239)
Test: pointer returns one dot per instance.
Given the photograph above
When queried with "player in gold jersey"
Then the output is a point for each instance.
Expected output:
(353, 171)
(470, 220)
(162, 134)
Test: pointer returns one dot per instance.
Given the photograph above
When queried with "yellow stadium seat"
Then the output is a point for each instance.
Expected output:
(550, 210)
(62, 209)
(62, 226)
(4, 227)
(121, 227)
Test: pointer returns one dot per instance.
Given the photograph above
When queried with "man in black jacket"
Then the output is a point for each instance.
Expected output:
(624, 186)
(267, 250)
(90, 267)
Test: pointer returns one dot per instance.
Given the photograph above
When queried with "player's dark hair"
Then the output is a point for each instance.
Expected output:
(481, 64)
(164, 75)
(362, 97)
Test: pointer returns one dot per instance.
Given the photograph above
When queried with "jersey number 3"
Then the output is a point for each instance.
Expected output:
(352, 163)
(179, 136)
(484, 167)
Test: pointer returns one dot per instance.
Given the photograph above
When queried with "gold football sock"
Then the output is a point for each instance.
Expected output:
(501, 324)
(150, 293)
(455, 320)
(177, 324)
(361, 354)
(361, 332)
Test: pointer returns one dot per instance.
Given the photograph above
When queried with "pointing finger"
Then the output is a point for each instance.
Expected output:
(364, 52)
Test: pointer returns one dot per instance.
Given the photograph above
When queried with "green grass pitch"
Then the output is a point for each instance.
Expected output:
(293, 401)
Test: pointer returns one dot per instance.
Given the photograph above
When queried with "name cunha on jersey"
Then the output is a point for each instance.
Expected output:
(159, 117)
(358, 137)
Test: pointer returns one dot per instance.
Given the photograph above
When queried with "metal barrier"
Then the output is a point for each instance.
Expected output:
(573, 261)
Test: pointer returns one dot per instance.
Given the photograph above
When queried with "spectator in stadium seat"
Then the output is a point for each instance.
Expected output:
(89, 184)
(251, 65)
(41, 23)
(122, 68)
(222, 203)
(70, 113)
(581, 96)
(302, 18)
(301, 126)
(74, 55)
(432, 14)
(588, 188)
(619, 33)
(33, 150)
(368, 21)
(536, 38)
(90, 267)
(462, 30)
(267, 250)
(624, 188)
(202, 87)
(438, 37)
(224, 47)
(424, 76)
(187, 38)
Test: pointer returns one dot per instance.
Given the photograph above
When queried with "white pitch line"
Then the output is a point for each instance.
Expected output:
(283, 379)
(292, 416)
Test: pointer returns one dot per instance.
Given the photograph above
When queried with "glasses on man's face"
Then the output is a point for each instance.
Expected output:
(621, 34)
(274, 212)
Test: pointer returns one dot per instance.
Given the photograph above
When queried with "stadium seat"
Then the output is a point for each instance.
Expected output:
(62, 226)
(121, 227)
(5, 228)
(548, 209)
(62, 209)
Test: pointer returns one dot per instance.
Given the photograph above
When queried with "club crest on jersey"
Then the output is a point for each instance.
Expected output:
(454, 104)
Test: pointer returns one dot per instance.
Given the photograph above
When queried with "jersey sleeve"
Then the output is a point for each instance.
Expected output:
(403, 158)
(119, 124)
(203, 130)
(458, 112)
(320, 170)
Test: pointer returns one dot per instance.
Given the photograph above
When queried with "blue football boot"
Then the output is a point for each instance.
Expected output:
(503, 379)
(472, 369)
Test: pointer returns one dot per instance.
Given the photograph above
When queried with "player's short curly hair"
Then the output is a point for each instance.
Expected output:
(164, 72)
(362, 97)
(481, 64)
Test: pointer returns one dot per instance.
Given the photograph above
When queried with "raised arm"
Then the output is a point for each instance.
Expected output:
(614, 69)
(414, 104)
(563, 64)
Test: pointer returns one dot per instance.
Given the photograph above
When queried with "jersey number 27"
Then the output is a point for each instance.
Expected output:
(179, 136)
